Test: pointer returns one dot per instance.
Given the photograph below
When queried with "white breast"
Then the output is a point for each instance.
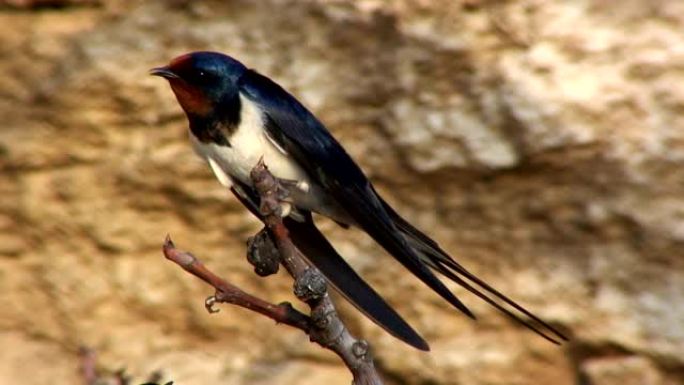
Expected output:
(248, 144)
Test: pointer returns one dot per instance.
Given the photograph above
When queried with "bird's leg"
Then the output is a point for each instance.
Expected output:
(263, 254)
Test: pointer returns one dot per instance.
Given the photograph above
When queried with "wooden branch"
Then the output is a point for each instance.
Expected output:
(228, 293)
(323, 326)
(310, 286)
(88, 365)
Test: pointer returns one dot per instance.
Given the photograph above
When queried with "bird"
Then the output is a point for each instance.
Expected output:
(237, 116)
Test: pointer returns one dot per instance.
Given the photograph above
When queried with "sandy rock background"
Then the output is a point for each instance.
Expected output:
(541, 142)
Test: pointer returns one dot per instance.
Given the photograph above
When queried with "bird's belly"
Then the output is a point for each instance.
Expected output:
(244, 152)
(238, 159)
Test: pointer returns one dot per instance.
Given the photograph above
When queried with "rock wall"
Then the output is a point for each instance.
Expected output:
(540, 142)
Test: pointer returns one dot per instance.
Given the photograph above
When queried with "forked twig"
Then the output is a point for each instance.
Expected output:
(323, 326)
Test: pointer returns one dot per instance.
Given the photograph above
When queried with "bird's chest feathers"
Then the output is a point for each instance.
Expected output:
(245, 145)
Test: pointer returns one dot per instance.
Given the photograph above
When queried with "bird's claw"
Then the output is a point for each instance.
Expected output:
(293, 184)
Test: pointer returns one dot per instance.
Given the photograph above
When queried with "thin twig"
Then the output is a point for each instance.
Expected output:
(88, 365)
(227, 293)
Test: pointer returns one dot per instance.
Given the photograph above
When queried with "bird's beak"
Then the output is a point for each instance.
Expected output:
(164, 72)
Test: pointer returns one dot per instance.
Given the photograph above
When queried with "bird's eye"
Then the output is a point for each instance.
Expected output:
(202, 77)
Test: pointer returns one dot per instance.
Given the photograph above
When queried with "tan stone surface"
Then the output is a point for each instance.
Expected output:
(541, 142)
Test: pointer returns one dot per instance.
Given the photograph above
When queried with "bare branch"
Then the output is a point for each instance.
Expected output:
(310, 286)
(323, 326)
(227, 293)
(88, 365)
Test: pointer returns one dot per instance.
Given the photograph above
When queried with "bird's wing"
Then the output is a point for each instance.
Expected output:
(302, 136)
(306, 139)
(320, 253)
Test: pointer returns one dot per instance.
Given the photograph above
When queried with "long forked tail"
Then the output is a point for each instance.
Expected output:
(440, 261)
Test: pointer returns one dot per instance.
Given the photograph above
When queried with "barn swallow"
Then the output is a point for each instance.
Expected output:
(237, 116)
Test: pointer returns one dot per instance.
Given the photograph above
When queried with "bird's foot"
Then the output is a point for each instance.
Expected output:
(292, 184)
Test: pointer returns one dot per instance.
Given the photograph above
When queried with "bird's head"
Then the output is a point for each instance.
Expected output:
(202, 80)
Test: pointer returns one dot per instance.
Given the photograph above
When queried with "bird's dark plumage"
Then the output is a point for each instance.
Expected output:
(218, 93)
(305, 138)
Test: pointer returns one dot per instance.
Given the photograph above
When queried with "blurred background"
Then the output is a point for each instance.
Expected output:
(541, 142)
